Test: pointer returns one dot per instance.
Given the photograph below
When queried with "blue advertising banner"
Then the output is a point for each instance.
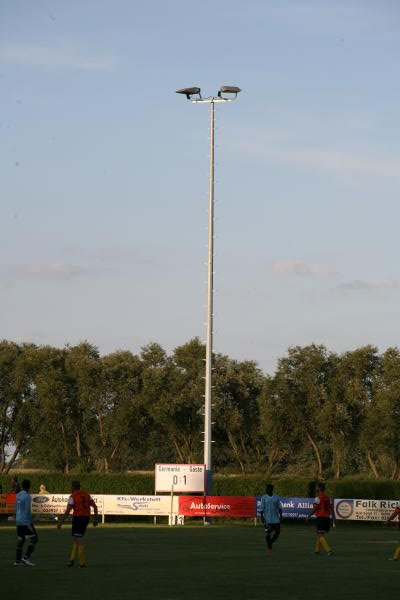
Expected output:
(292, 508)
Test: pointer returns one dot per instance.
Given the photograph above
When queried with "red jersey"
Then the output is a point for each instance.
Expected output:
(81, 503)
(322, 505)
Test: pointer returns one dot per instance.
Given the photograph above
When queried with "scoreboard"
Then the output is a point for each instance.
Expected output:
(180, 478)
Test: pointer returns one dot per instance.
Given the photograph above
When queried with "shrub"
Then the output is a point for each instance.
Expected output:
(223, 485)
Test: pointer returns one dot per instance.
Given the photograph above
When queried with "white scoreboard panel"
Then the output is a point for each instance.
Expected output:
(180, 478)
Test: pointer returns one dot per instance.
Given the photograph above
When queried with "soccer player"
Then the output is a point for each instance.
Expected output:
(25, 528)
(323, 509)
(79, 502)
(396, 513)
(271, 516)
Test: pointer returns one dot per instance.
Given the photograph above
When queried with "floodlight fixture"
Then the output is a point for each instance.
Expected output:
(189, 92)
(228, 89)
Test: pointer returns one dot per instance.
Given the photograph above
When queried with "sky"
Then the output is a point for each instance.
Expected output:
(104, 173)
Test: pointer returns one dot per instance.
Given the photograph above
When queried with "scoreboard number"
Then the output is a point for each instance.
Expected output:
(180, 478)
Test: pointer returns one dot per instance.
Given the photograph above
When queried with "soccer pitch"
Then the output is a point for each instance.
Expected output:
(202, 563)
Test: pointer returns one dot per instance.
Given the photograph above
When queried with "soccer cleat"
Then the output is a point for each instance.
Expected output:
(27, 562)
(330, 553)
(393, 558)
(19, 563)
(70, 563)
(82, 566)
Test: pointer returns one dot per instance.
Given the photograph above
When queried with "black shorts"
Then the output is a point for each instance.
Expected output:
(79, 525)
(24, 531)
(323, 524)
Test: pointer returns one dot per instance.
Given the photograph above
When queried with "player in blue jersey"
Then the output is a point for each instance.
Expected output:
(271, 516)
(25, 528)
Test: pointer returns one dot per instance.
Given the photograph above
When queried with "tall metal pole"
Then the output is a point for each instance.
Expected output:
(194, 95)
(210, 315)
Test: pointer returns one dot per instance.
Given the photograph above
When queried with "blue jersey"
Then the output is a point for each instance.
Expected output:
(270, 506)
(23, 509)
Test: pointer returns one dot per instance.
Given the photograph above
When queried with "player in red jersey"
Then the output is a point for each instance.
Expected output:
(323, 509)
(80, 503)
(395, 513)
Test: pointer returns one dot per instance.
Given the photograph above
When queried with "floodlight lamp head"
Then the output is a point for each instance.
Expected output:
(189, 92)
(230, 90)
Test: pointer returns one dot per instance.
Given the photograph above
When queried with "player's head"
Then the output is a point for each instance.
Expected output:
(26, 484)
(320, 486)
(269, 489)
(75, 485)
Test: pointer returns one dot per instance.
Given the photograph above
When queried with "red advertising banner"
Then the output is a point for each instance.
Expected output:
(7, 503)
(217, 506)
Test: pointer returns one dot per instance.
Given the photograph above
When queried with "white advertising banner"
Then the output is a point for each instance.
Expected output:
(140, 505)
(364, 510)
(180, 478)
(55, 504)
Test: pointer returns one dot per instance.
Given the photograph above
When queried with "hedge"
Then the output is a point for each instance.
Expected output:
(223, 485)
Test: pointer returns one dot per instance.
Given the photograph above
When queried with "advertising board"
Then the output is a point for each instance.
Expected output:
(292, 508)
(55, 504)
(351, 509)
(217, 506)
(180, 478)
(7, 504)
(140, 505)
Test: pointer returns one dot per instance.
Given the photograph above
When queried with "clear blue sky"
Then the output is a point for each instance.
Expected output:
(104, 170)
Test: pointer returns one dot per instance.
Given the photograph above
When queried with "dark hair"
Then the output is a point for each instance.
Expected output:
(321, 486)
(270, 488)
(26, 484)
(76, 485)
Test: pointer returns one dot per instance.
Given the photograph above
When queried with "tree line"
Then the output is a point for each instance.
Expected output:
(321, 413)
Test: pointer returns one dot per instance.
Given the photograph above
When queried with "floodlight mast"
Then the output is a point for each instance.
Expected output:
(225, 94)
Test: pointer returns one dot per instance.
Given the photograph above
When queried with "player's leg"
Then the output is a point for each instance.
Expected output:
(318, 544)
(276, 532)
(396, 555)
(81, 529)
(74, 550)
(33, 539)
(323, 526)
(268, 536)
(82, 553)
(20, 545)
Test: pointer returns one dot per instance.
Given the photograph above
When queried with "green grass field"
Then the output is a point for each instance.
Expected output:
(205, 563)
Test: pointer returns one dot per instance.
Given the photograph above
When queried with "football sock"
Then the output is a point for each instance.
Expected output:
(317, 545)
(269, 542)
(73, 552)
(20, 545)
(325, 544)
(397, 553)
(82, 555)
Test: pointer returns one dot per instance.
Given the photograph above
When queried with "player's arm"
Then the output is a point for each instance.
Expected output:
(262, 508)
(280, 508)
(314, 509)
(333, 514)
(395, 513)
(65, 515)
(308, 517)
(96, 512)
